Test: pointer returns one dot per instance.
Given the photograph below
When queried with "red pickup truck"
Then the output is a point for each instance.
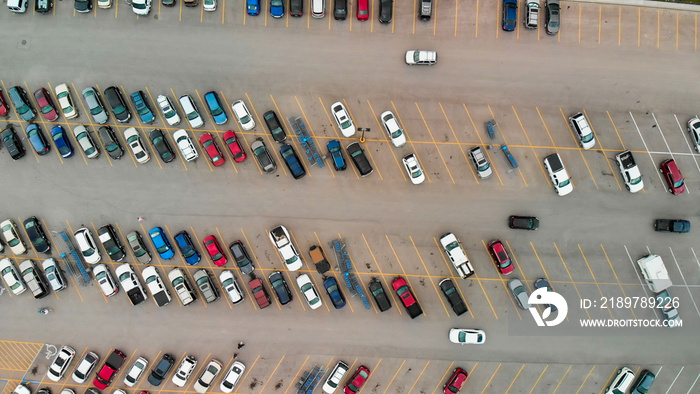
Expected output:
(109, 369)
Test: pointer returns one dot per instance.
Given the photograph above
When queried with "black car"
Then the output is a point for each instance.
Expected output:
(164, 150)
(359, 159)
(43, 6)
(450, 291)
(161, 369)
(380, 297)
(83, 5)
(116, 101)
(111, 243)
(274, 126)
(240, 255)
(340, 10)
(279, 286)
(12, 143)
(385, 10)
(296, 7)
(542, 282)
(111, 143)
(524, 222)
(36, 234)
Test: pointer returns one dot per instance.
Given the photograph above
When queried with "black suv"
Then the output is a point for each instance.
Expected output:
(12, 143)
(164, 150)
(161, 369)
(359, 159)
(380, 297)
(275, 127)
(296, 7)
(111, 143)
(240, 255)
(111, 243)
(450, 291)
(385, 10)
(340, 10)
(116, 101)
(36, 234)
(279, 285)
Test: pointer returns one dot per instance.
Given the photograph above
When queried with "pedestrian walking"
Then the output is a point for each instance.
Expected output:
(241, 344)
(235, 356)
(141, 219)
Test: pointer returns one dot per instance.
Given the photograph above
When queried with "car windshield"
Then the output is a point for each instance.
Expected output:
(678, 184)
(346, 124)
(396, 134)
(356, 153)
(192, 115)
(119, 110)
(587, 138)
(564, 183)
(96, 110)
(217, 111)
(100, 276)
(636, 180)
(291, 259)
(416, 173)
(276, 3)
(230, 140)
(139, 6)
(169, 112)
(46, 109)
(245, 119)
(484, 167)
(124, 276)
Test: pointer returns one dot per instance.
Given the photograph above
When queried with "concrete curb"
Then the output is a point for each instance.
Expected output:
(642, 3)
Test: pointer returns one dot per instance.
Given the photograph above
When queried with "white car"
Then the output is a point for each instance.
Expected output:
(392, 128)
(184, 143)
(60, 363)
(85, 366)
(21, 389)
(87, 246)
(137, 369)
(630, 171)
(182, 286)
(280, 238)
(622, 381)
(105, 280)
(421, 57)
(104, 3)
(184, 371)
(155, 285)
(209, 5)
(141, 7)
(230, 286)
(583, 130)
(169, 112)
(11, 277)
(191, 113)
(558, 175)
(207, 377)
(228, 383)
(240, 111)
(9, 233)
(130, 283)
(467, 336)
(413, 168)
(54, 274)
(85, 141)
(335, 377)
(67, 391)
(342, 118)
(481, 164)
(134, 141)
(65, 101)
(309, 291)
(694, 130)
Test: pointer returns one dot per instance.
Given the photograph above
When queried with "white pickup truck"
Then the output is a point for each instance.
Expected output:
(654, 272)
(454, 250)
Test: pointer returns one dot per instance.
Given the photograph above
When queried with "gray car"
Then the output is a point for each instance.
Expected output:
(206, 286)
(262, 154)
(551, 22)
(519, 293)
(94, 104)
(138, 247)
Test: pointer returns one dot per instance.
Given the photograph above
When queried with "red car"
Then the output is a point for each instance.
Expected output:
(209, 145)
(43, 98)
(237, 151)
(4, 108)
(407, 298)
(214, 250)
(109, 369)
(500, 257)
(357, 380)
(362, 10)
(258, 290)
(673, 176)
(456, 382)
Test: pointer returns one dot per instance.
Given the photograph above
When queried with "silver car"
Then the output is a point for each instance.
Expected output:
(54, 274)
(86, 365)
(519, 293)
(481, 164)
(60, 363)
(207, 377)
(95, 106)
(206, 286)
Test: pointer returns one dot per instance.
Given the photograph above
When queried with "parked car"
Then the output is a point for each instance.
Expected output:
(55, 276)
(385, 10)
(337, 156)
(141, 7)
(211, 244)
(33, 279)
(540, 283)
(161, 243)
(134, 374)
(277, 8)
(160, 293)
(379, 295)
(240, 111)
(37, 140)
(191, 112)
(342, 119)
(110, 242)
(517, 288)
(138, 98)
(252, 7)
(11, 277)
(241, 257)
(359, 159)
(230, 286)
(60, 139)
(455, 383)
(160, 142)
(187, 249)
(262, 155)
(622, 381)
(291, 159)
(85, 367)
(584, 132)
(279, 286)
(644, 382)
(392, 128)
(524, 222)
(694, 130)
(184, 371)
(95, 106)
(500, 257)
(408, 299)
(209, 291)
(211, 149)
(558, 174)
(211, 99)
(182, 285)
(362, 10)
(105, 279)
(296, 8)
(45, 103)
(481, 164)
(160, 370)
(467, 336)
(354, 384)
(86, 142)
(274, 126)
(335, 377)
(209, 5)
(60, 364)
(109, 369)
(116, 101)
(12, 143)
(111, 143)
(184, 143)
(673, 176)
(207, 377)
(334, 292)
(532, 13)
(11, 236)
(259, 293)
(340, 9)
(86, 246)
(453, 297)
(510, 14)
(138, 247)
(309, 291)
(237, 151)
(19, 99)
(228, 383)
(4, 108)
(167, 108)
(131, 284)
(280, 238)
(134, 141)
(413, 168)
(551, 22)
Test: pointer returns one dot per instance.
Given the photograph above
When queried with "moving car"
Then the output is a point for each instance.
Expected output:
(161, 243)
(211, 244)
(161, 369)
(467, 336)
(138, 98)
(237, 152)
(95, 106)
(500, 257)
(134, 141)
(87, 246)
(259, 293)
(35, 232)
(168, 110)
(456, 381)
(291, 159)
(228, 383)
(335, 377)
(524, 222)
(138, 247)
(230, 286)
(115, 99)
(109, 369)
(453, 297)
(186, 246)
(413, 168)
(359, 159)
(356, 381)
(60, 138)
(672, 225)
(12, 143)
(184, 371)
(240, 111)
(112, 146)
(551, 22)
(280, 238)
(337, 156)
(191, 112)
(105, 280)
(130, 284)
(517, 288)
(421, 57)
(132, 377)
(558, 175)
(85, 141)
(385, 10)
(206, 378)
(33, 279)
(406, 296)
(673, 176)
(209, 292)
(183, 287)
(309, 291)
(274, 126)
(622, 382)
(43, 100)
(212, 150)
(85, 367)
(60, 364)
(162, 146)
(241, 257)
(18, 97)
(377, 289)
(481, 164)
(510, 14)
(11, 236)
(111, 243)
(211, 99)
(392, 128)
(184, 143)
(161, 295)
(54, 275)
(279, 286)
(11, 277)
(37, 140)
(336, 296)
(342, 119)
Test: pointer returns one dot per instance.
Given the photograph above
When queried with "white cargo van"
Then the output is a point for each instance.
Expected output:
(654, 272)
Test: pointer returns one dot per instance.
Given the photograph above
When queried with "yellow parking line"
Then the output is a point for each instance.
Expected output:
(562, 379)
(434, 142)
(419, 376)
(490, 379)
(449, 124)
(443, 377)
(145, 133)
(394, 378)
(534, 154)
(569, 273)
(515, 378)
(498, 17)
(546, 129)
(391, 293)
(66, 122)
(580, 150)
(404, 271)
(262, 389)
(166, 128)
(456, 13)
(248, 243)
(119, 135)
(455, 279)
(481, 142)
(379, 126)
(248, 369)
(639, 26)
(616, 278)
(619, 27)
(616, 132)
(579, 22)
(297, 374)
(431, 281)
(538, 379)
(602, 150)
(518, 264)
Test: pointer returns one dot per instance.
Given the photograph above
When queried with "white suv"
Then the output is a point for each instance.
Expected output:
(583, 130)
(279, 236)
(622, 381)
(558, 175)
(191, 113)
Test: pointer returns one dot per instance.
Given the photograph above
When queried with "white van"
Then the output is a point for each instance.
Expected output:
(654, 272)
(318, 8)
(18, 6)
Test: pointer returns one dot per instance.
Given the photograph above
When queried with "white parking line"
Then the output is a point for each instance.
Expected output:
(684, 282)
(693, 385)
(674, 380)
(696, 256)
(658, 126)
(647, 149)
(686, 141)
(644, 285)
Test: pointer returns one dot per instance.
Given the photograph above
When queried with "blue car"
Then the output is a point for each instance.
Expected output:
(212, 101)
(336, 155)
(253, 7)
(161, 243)
(184, 243)
(277, 8)
(510, 14)
(142, 108)
(36, 138)
(292, 161)
(334, 292)
(62, 142)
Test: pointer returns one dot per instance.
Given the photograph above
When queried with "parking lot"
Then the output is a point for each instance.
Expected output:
(631, 70)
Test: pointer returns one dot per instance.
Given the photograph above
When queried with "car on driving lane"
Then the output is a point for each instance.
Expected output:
(467, 336)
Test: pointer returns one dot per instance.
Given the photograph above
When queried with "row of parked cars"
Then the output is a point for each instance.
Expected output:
(532, 15)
